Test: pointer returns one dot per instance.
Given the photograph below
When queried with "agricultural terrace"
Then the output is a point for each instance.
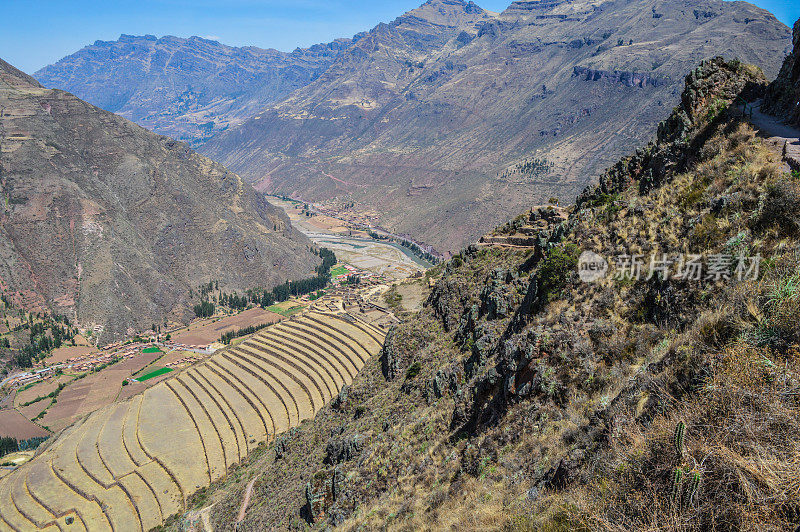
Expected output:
(121, 468)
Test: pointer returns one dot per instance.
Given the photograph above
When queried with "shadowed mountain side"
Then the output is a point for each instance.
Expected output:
(112, 225)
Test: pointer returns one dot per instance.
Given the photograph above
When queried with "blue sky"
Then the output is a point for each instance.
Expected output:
(38, 32)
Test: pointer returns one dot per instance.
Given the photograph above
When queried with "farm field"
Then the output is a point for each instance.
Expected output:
(153, 374)
(172, 358)
(93, 391)
(204, 332)
(14, 424)
(286, 308)
(40, 389)
(123, 456)
(62, 354)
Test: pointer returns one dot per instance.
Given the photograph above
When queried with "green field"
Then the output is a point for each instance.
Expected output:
(151, 350)
(286, 312)
(153, 374)
(339, 270)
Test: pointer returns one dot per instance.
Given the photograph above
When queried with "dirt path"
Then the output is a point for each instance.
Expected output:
(785, 139)
(245, 501)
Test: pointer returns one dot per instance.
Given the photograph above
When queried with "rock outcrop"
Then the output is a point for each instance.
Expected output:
(783, 95)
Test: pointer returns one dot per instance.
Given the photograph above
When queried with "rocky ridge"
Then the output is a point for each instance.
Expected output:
(522, 398)
(783, 96)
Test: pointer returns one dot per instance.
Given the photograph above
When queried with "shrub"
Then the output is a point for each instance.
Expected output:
(555, 270)
(779, 208)
(707, 233)
(413, 370)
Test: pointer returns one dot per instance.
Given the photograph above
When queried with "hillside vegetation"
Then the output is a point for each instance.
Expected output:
(522, 398)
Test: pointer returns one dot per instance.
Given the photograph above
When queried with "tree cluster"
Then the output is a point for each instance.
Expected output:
(266, 298)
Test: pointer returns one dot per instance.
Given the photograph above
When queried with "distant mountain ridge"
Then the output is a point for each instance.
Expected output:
(499, 111)
(113, 225)
(187, 88)
(423, 122)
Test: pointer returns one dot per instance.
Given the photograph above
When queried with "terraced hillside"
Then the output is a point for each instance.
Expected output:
(131, 465)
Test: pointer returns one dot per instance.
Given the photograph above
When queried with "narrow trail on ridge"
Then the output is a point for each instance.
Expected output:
(784, 138)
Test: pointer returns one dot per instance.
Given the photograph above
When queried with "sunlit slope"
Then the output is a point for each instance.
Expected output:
(131, 465)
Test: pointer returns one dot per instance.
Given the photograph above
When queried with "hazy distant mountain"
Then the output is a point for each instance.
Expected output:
(449, 118)
(185, 88)
(427, 120)
(112, 224)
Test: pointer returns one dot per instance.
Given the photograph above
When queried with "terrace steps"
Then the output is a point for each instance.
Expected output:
(129, 438)
(212, 436)
(164, 411)
(262, 399)
(43, 485)
(243, 414)
(308, 370)
(277, 375)
(110, 441)
(298, 383)
(227, 403)
(356, 330)
(327, 336)
(346, 357)
(299, 374)
(250, 363)
(130, 465)
(223, 423)
(27, 505)
(113, 501)
(144, 499)
(258, 421)
(314, 355)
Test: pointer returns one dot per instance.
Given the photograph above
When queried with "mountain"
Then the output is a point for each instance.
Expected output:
(784, 93)
(113, 225)
(444, 120)
(188, 89)
(521, 397)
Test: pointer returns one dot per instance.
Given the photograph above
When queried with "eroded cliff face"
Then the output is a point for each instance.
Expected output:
(418, 121)
(783, 95)
(112, 225)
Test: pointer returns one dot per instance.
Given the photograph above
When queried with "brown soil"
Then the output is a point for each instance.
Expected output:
(14, 424)
(62, 354)
(207, 331)
(93, 391)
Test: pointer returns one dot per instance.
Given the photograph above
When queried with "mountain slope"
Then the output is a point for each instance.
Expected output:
(424, 134)
(783, 96)
(185, 88)
(522, 398)
(110, 224)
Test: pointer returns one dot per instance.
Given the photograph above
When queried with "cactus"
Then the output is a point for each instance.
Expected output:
(677, 482)
(693, 486)
(680, 432)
